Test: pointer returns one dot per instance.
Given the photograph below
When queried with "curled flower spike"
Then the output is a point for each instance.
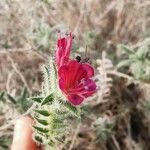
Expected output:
(74, 76)
(63, 49)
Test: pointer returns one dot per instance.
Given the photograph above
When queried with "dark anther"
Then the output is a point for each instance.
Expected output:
(78, 58)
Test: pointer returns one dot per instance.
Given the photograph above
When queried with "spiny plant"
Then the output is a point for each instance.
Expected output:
(20, 102)
(51, 111)
(41, 36)
(103, 127)
(138, 60)
(66, 84)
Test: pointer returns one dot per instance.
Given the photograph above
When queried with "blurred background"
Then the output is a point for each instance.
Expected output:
(114, 34)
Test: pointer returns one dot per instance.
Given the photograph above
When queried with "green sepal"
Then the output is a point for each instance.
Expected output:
(40, 129)
(36, 99)
(48, 99)
(41, 121)
(42, 112)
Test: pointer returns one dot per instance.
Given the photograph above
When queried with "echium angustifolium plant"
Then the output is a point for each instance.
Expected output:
(67, 82)
(138, 60)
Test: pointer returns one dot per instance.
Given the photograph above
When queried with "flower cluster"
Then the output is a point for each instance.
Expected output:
(74, 76)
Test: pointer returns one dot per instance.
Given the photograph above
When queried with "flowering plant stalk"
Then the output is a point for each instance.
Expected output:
(67, 83)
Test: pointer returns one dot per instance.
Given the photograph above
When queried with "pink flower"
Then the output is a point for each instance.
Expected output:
(75, 82)
(63, 50)
(74, 76)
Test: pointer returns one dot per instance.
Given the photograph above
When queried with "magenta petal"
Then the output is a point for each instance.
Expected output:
(90, 84)
(73, 70)
(69, 45)
(73, 67)
(76, 71)
(75, 99)
(62, 84)
(81, 73)
(90, 88)
(63, 60)
(63, 50)
(63, 71)
(63, 75)
(89, 69)
(60, 51)
(62, 43)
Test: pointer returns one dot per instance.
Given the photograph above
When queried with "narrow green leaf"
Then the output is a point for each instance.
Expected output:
(40, 129)
(124, 63)
(36, 99)
(48, 99)
(42, 112)
(47, 71)
(127, 49)
(2, 95)
(41, 121)
(11, 99)
(38, 139)
(52, 144)
(24, 93)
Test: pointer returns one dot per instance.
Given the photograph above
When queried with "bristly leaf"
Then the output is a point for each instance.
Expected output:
(59, 126)
(41, 121)
(48, 99)
(36, 99)
(56, 120)
(47, 76)
(41, 129)
(53, 76)
(11, 99)
(38, 139)
(42, 112)
(50, 77)
(72, 109)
